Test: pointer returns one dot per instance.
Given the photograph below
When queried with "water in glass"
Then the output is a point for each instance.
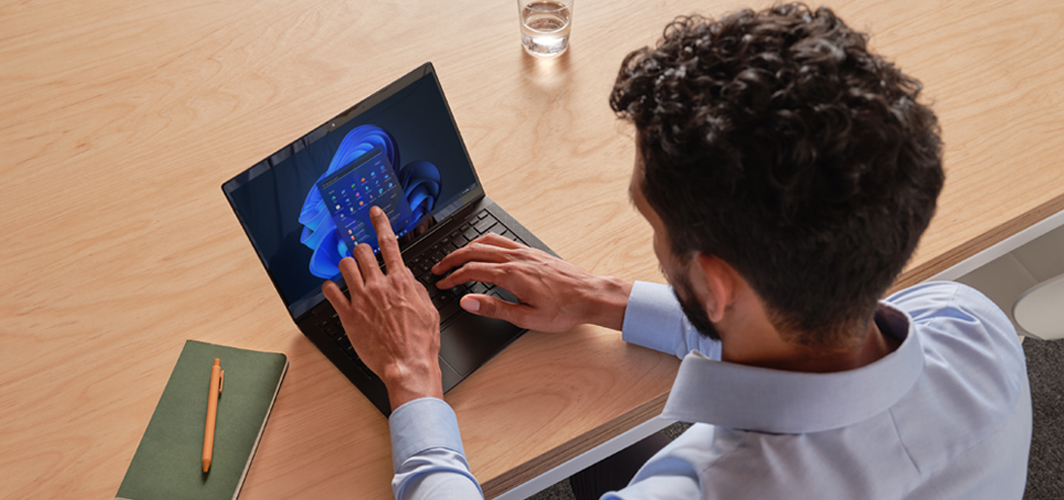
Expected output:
(545, 27)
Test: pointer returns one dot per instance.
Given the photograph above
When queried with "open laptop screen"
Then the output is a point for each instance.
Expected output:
(307, 205)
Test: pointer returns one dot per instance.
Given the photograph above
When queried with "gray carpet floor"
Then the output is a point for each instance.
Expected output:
(1045, 471)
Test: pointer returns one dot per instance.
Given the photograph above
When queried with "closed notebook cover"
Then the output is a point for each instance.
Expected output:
(168, 461)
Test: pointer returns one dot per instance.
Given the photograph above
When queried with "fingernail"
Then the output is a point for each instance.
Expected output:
(375, 210)
(470, 304)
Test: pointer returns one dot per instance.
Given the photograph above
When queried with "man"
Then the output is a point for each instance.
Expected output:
(788, 174)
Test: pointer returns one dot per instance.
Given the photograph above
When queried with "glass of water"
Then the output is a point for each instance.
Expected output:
(545, 26)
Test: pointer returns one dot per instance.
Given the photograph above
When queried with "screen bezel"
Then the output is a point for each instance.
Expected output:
(302, 306)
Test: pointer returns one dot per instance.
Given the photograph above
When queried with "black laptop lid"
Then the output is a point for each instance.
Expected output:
(306, 206)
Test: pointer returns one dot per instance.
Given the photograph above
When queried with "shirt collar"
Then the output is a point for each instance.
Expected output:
(777, 401)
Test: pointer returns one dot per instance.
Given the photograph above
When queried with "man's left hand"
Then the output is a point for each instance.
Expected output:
(389, 319)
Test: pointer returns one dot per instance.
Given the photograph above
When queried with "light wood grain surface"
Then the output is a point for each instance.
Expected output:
(120, 120)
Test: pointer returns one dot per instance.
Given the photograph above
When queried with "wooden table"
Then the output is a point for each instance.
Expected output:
(120, 120)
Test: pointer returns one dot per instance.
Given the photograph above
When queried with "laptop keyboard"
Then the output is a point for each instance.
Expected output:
(445, 301)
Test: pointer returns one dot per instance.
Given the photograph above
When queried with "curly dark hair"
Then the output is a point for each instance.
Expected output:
(777, 142)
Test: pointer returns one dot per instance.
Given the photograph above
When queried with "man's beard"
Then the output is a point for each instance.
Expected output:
(694, 311)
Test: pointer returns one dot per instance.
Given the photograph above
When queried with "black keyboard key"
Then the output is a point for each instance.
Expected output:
(470, 234)
(483, 224)
(480, 288)
(462, 287)
(429, 279)
(482, 214)
(333, 328)
(504, 295)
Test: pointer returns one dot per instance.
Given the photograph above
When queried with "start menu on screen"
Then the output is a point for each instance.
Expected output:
(367, 181)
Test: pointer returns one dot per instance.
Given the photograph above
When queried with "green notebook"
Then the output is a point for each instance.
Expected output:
(167, 464)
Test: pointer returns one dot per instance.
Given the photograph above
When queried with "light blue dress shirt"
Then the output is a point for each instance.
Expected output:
(947, 415)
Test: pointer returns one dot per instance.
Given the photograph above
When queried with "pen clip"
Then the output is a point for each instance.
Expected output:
(221, 382)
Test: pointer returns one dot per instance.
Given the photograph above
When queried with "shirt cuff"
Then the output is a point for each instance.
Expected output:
(423, 424)
(653, 318)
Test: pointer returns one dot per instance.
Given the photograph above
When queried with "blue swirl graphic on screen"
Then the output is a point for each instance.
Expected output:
(421, 188)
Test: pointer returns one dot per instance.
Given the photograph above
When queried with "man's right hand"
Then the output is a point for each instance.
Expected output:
(553, 295)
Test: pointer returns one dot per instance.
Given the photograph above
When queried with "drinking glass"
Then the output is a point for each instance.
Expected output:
(545, 26)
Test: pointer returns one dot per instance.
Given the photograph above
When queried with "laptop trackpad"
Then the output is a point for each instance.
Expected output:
(470, 340)
(450, 377)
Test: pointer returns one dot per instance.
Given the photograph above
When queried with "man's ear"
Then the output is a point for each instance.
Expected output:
(719, 283)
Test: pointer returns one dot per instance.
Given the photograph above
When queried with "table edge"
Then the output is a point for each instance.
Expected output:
(574, 447)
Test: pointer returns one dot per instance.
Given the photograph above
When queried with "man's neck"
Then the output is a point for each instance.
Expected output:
(763, 346)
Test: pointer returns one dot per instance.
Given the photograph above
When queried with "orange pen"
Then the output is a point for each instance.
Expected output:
(217, 377)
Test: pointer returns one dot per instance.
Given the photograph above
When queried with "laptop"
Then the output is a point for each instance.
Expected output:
(306, 206)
